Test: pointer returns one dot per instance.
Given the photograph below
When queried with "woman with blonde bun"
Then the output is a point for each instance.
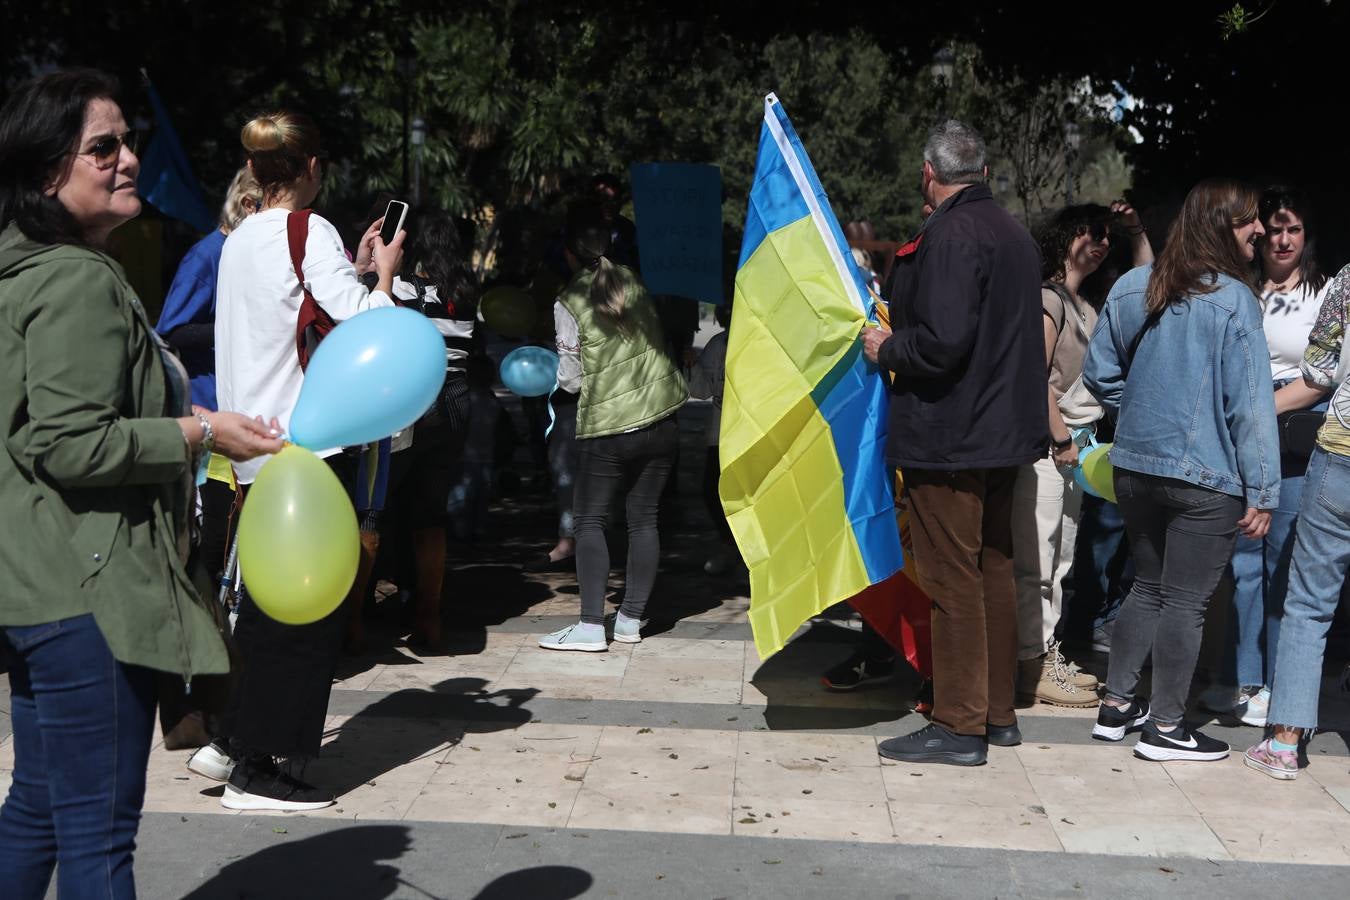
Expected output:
(275, 719)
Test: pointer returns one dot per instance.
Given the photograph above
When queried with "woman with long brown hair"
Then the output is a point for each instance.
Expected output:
(1179, 356)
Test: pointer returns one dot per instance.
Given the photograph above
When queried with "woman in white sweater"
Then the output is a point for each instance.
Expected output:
(281, 695)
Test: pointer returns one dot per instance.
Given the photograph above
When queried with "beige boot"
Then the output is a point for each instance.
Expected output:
(1076, 676)
(1056, 688)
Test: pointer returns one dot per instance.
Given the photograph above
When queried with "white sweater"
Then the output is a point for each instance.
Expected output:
(257, 305)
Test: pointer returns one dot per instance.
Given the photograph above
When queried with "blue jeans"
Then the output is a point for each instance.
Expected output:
(1316, 573)
(1103, 570)
(82, 727)
(1260, 580)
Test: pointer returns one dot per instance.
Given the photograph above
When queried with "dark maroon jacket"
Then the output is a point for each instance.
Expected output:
(968, 349)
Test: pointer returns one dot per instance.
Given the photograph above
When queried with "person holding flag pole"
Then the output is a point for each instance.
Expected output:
(967, 407)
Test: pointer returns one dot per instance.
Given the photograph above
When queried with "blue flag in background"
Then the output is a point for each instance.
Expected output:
(166, 181)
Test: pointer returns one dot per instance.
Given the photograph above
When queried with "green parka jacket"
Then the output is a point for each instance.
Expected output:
(92, 477)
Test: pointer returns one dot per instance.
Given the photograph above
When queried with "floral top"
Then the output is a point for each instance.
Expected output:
(1326, 360)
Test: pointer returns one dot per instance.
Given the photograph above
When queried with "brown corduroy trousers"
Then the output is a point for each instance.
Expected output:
(961, 525)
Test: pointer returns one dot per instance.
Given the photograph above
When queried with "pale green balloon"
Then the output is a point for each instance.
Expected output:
(299, 543)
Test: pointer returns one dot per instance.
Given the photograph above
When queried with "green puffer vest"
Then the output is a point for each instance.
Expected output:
(627, 381)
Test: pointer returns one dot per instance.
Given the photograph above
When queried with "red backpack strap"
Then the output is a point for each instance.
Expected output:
(297, 233)
(313, 323)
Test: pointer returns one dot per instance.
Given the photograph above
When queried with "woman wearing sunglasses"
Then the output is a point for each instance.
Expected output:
(1047, 499)
(95, 495)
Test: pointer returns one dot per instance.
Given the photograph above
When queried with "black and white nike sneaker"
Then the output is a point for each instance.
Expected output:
(1178, 744)
(1113, 723)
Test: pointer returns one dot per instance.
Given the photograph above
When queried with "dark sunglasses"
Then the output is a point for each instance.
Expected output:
(107, 148)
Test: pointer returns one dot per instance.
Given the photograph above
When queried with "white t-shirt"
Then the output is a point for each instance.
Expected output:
(1287, 321)
(257, 306)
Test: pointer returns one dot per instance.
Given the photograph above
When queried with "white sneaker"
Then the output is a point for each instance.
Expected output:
(1253, 708)
(211, 762)
(580, 636)
(628, 631)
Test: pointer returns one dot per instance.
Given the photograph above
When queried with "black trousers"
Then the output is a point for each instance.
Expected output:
(636, 464)
(280, 696)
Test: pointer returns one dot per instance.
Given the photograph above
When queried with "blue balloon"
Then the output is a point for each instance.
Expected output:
(1080, 476)
(374, 374)
(530, 371)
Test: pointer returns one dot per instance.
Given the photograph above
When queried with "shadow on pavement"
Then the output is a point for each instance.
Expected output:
(406, 725)
(349, 863)
(539, 883)
(795, 698)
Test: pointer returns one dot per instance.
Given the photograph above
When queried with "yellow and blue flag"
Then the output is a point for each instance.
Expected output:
(805, 484)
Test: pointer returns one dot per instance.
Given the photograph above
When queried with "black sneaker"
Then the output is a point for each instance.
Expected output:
(935, 744)
(1113, 724)
(858, 671)
(1003, 735)
(1179, 743)
(261, 784)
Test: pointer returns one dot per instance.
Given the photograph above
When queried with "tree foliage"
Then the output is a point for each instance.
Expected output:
(523, 100)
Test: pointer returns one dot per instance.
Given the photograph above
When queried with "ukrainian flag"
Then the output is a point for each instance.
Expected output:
(804, 482)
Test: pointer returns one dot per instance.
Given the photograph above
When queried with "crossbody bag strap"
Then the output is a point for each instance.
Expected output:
(1153, 319)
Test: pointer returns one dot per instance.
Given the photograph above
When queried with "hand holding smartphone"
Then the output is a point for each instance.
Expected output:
(394, 215)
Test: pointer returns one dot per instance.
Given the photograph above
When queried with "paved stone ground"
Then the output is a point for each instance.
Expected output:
(684, 767)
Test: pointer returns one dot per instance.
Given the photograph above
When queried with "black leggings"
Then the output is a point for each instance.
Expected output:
(636, 463)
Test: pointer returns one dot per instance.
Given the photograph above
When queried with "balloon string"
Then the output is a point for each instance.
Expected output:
(552, 417)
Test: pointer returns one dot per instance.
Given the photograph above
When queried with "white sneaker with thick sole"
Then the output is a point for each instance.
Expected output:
(1254, 708)
(628, 631)
(210, 762)
(580, 636)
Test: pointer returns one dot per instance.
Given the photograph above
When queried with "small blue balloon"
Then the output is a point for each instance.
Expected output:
(1080, 476)
(530, 371)
(374, 374)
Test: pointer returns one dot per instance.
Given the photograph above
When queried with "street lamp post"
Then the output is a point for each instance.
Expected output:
(418, 135)
(1071, 139)
(944, 62)
(406, 66)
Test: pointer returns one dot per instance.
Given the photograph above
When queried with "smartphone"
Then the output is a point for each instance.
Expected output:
(394, 214)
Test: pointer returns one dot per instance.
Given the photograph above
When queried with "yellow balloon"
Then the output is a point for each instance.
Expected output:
(298, 538)
(509, 311)
(1099, 472)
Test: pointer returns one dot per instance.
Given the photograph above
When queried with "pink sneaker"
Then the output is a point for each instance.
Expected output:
(1281, 764)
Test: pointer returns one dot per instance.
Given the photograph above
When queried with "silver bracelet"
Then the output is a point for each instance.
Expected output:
(208, 434)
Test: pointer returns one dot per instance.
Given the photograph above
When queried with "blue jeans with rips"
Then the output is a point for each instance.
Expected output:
(1316, 573)
(82, 728)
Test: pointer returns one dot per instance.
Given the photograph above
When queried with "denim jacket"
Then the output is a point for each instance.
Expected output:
(1198, 404)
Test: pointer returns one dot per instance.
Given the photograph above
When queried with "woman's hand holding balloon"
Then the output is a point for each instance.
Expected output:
(240, 438)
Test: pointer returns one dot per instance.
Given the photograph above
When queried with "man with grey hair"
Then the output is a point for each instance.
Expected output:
(967, 408)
